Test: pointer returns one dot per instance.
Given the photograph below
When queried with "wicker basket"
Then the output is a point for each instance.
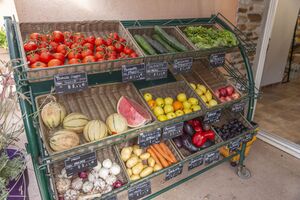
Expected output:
(171, 30)
(102, 154)
(96, 28)
(96, 102)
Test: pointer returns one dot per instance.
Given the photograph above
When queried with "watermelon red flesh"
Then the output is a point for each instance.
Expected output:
(135, 114)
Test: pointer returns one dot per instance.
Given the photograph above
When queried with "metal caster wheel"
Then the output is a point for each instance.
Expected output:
(243, 172)
(233, 164)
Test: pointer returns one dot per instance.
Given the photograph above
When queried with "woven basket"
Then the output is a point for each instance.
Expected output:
(171, 30)
(96, 102)
(102, 154)
(96, 28)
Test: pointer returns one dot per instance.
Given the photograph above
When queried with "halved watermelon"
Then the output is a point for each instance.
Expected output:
(135, 114)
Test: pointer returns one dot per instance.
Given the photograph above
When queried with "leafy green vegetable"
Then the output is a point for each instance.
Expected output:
(206, 38)
(3, 41)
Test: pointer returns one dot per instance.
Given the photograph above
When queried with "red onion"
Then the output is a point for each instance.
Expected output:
(117, 184)
(61, 198)
(83, 175)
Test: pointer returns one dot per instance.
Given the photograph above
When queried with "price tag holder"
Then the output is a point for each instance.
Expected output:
(133, 72)
(217, 59)
(212, 116)
(80, 163)
(148, 138)
(240, 87)
(111, 197)
(182, 65)
(69, 83)
(238, 107)
(156, 70)
(211, 156)
(140, 190)
(235, 144)
(248, 137)
(195, 162)
(172, 131)
(173, 172)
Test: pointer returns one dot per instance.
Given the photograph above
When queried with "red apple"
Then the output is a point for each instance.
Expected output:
(223, 92)
(222, 99)
(217, 93)
(235, 95)
(228, 98)
(229, 90)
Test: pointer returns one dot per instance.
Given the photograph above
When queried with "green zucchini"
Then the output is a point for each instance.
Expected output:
(162, 42)
(172, 41)
(156, 45)
(144, 44)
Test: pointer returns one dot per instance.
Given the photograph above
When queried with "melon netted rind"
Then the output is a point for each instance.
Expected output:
(53, 114)
(75, 122)
(63, 140)
(95, 130)
(116, 123)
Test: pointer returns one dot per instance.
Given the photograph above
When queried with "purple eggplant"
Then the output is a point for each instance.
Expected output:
(178, 142)
(187, 143)
(188, 129)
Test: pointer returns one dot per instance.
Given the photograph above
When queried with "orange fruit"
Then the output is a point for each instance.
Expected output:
(177, 105)
(151, 103)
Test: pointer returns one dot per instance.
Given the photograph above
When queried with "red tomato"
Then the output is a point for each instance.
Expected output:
(68, 35)
(43, 44)
(89, 59)
(99, 55)
(112, 57)
(127, 50)
(78, 38)
(100, 48)
(30, 46)
(114, 36)
(123, 55)
(100, 59)
(35, 36)
(99, 41)
(62, 49)
(45, 57)
(45, 38)
(119, 47)
(133, 55)
(53, 46)
(38, 64)
(74, 54)
(122, 40)
(114, 53)
(68, 42)
(54, 62)
(111, 48)
(86, 52)
(58, 36)
(74, 61)
(89, 46)
(32, 58)
(77, 47)
(109, 41)
(90, 39)
(59, 56)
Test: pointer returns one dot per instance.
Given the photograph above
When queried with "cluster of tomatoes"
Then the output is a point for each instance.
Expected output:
(58, 48)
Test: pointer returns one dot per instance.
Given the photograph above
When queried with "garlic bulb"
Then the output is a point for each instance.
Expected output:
(103, 173)
(87, 187)
(99, 184)
(95, 173)
(98, 167)
(115, 169)
(107, 163)
(91, 177)
(63, 174)
(107, 189)
(71, 195)
(62, 185)
(111, 179)
(77, 183)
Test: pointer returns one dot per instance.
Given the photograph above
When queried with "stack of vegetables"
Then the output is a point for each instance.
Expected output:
(160, 43)
(207, 38)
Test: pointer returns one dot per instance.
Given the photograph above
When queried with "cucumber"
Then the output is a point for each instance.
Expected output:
(145, 45)
(156, 45)
(162, 42)
(173, 42)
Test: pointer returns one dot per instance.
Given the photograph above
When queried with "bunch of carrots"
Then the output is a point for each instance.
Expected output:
(162, 155)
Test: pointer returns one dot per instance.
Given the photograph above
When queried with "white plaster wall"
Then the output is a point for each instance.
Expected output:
(68, 10)
(7, 8)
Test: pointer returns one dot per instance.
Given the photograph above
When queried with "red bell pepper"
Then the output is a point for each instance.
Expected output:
(198, 139)
(209, 135)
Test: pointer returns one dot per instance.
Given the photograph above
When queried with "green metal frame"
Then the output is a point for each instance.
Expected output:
(35, 146)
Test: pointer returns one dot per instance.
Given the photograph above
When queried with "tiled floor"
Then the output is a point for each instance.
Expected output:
(278, 111)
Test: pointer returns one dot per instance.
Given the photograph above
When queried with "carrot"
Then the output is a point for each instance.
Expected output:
(162, 152)
(160, 157)
(168, 151)
(153, 156)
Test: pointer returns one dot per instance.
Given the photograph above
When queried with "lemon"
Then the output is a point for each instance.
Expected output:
(201, 87)
(196, 108)
(158, 111)
(186, 105)
(168, 101)
(199, 92)
(187, 111)
(208, 95)
(168, 108)
(181, 97)
(212, 102)
(162, 118)
(204, 99)
(179, 113)
(193, 101)
(171, 115)
(160, 102)
(148, 96)
(193, 85)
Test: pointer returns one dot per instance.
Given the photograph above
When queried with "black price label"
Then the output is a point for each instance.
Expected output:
(240, 87)
(148, 138)
(156, 70)
(235, 144)
(212, 116)
(111, 197)
(211, 156)
(238, 107)
(195, 162)
(182, 65)
(172, 131)
(69, 83)
(80, 163)
(133, 72)
(173, 172)
(248, 137)
(140, 190)
(217, 60)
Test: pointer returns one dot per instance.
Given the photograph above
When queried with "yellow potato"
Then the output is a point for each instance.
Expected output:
(132, 161)
(138, 151)
(147, 171)
(134, 177)
(157, 167)
(129, 172)
(151, 162)
(145, 156)
(137, 168)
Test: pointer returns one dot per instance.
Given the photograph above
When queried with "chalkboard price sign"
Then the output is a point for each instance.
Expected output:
(248, 137)
(211, 156)
(217, 60)
(69, 83)
(173, 172)
(133, 72)
(238, 107)
(80, 163)
(140, 190)
(148, 138)
(195, 162)
(182, 65)
(235, 144)
(212, 116)
(156, 70)
(172, 131)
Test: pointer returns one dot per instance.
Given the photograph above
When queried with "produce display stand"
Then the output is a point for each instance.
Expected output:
(43, 160)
